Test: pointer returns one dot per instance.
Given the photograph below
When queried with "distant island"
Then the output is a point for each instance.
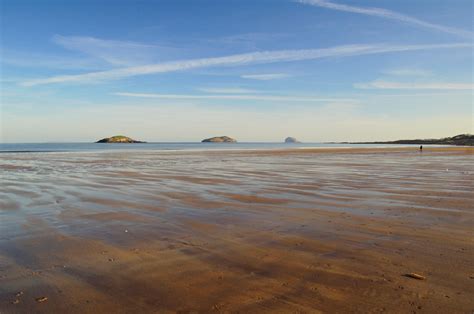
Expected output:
(291, 140)
(460, 140)
(219, 139)
(118, 139)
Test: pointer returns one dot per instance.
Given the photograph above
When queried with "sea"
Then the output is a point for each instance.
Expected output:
(170, 146)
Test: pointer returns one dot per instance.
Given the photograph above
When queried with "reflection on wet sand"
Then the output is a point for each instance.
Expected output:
(248, 231)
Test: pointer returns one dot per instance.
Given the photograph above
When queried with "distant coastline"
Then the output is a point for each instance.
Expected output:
(459, 140)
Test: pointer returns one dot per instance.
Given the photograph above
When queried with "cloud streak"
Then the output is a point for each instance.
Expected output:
(49, 61)
(265, 77)
(228, 90)
(236, 97)
(399, 85)
(114, 52)
(408, 72)
(261, 57)
(388, 14)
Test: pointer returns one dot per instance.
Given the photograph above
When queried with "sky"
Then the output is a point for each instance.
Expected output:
(260, 70)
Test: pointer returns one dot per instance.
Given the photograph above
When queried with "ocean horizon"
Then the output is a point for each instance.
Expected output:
(176, 146)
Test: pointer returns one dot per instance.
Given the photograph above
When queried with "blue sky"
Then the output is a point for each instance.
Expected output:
(318, 70)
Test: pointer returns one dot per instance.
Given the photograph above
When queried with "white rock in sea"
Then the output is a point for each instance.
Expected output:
(291, 140)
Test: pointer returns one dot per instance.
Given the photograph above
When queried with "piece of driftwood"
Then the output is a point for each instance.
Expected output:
(415, 276)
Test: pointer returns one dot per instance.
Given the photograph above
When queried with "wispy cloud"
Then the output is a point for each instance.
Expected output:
(229, 90)
(388, 14)
(447, 93)
(236, 97)
(248, 40)
(49, 61)
(260, 57)
(408, 72)
(115, 52)
(265, 77)
(400, 85)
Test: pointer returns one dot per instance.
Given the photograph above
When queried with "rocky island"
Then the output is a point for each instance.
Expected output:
(118, 139)
(291, 140)
(219, 139)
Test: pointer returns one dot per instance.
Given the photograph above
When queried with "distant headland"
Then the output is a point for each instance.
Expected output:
(219, 139)
(118, 139)
(460, 140)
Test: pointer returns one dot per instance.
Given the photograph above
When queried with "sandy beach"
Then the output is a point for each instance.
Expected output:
(285, 231)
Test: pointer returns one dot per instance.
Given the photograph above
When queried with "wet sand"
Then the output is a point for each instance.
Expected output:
(304, 230)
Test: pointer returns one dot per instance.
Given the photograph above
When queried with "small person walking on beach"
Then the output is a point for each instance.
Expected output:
(421, 148)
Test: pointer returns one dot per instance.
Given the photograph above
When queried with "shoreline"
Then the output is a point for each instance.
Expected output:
(337, 149)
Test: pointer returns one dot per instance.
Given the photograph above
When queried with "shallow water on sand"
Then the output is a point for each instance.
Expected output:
(235, 230)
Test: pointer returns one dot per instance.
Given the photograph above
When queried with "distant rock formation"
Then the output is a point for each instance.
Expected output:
(219, 139)
(460, 140)
(118, 139)
(291, 140)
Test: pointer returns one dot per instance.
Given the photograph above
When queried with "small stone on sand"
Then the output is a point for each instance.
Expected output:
(41, 299)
